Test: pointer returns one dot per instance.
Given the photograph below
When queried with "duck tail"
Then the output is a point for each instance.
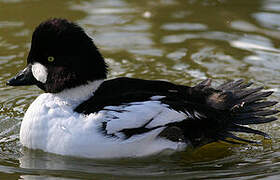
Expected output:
(244, 106)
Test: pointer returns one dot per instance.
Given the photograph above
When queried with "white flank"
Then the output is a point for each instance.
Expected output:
(40, 72)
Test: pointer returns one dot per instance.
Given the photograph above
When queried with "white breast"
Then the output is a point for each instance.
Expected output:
(51, 125)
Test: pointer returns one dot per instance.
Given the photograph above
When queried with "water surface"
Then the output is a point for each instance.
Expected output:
(182, 41)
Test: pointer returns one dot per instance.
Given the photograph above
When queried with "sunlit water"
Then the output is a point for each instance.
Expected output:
(182, 41)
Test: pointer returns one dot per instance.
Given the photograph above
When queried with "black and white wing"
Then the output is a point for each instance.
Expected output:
(199, 114)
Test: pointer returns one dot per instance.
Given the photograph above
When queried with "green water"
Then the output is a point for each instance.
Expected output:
(183, 41)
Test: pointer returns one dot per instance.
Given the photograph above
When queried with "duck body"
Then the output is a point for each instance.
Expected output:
(74, 134)
(98, 131)
(52, 125)
(84, 114)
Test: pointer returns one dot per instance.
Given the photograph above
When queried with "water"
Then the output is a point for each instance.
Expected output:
(182, 41)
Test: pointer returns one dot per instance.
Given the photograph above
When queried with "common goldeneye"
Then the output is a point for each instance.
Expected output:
(83, 114)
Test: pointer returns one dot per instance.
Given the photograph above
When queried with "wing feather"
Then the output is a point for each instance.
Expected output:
(148, 114)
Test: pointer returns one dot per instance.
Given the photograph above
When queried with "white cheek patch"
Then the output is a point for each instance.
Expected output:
(39, 72)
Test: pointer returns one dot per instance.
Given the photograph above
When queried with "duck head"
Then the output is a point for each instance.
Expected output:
(62, 56)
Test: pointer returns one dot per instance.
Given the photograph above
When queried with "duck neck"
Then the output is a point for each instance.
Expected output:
(80, 93)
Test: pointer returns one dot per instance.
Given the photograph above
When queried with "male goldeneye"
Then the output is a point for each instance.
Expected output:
(83, 114)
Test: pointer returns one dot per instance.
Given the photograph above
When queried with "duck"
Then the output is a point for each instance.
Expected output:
(82, 113)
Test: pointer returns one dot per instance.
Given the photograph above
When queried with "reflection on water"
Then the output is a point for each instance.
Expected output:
(182, 41)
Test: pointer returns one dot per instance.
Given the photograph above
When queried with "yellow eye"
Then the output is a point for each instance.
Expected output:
(50, 58)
